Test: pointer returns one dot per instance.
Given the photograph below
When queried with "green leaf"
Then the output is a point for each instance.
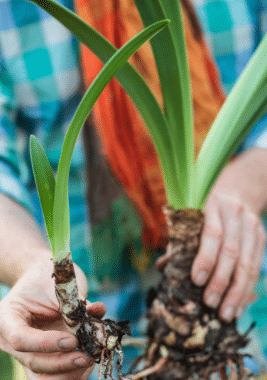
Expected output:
(61, 206)
(170, 55)
(246, 103)
(172, 131)
(134, 85)
(45, 183)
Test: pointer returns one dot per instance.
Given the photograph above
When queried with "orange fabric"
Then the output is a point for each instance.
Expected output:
(126, 141)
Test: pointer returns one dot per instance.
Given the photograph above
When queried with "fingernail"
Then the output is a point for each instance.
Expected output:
(228, 313)
(67, 344)
(201, 277)
(81, 362)
(213, 300)
(239, 312)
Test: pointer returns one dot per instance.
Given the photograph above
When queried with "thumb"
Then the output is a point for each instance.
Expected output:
(96, 309)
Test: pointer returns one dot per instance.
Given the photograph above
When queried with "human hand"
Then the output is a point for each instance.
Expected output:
(233, 238)
(230, 255)
(32, 330)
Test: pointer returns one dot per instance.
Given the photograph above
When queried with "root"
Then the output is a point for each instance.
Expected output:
(98, 339)
(149, 371)
(109, 367)
(233, 373)
(200, 346)
(119, 360)
(222, 373)
(101, 364)
(151, 352)
(136, 362)
(228, 371)
(186, 339)
(106, 360)
(134, 341)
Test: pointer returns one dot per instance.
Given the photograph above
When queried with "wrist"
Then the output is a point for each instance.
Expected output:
(38, 258)
(245, 178)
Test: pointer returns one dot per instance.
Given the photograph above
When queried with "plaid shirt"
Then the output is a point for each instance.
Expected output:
(39, 92)
(40, 89)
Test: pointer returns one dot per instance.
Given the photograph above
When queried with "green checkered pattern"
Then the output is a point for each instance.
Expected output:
(233, 29)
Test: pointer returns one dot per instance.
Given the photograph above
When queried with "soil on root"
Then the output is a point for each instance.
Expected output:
(99, 339)
(186, 338)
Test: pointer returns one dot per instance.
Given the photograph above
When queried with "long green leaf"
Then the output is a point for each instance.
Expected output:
(173, 12)
(170, 55)
(45, 183)
(61, 206)
(244, 106)
(134, 85)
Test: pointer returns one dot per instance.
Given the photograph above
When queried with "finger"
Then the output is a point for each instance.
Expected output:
(255, 271)
(247, 298)
(210, 244)
(81, 374)
(97, 309)
(231, 210)
(23, 338)
(54, 363)
(243, 271)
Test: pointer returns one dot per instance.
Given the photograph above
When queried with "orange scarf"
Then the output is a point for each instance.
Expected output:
(126, 141)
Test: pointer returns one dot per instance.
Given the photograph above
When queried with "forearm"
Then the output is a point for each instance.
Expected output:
(246, 177)
(31, 323)
(233, 237)
(21, 241)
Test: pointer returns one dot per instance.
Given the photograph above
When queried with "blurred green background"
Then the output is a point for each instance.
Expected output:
(10, 369)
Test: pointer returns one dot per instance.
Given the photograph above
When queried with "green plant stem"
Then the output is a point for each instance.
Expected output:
(170, 55)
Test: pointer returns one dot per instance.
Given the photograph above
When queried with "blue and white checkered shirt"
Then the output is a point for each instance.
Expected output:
(39, 92)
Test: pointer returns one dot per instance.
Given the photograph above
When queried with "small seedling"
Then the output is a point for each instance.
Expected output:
(99, 339)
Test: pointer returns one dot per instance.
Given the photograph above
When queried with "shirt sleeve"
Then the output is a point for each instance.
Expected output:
(13, 169)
